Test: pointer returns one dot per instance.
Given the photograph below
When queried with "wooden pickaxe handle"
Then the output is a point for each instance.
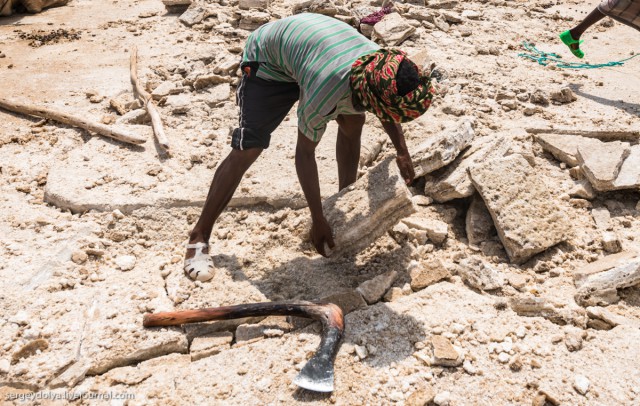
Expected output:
(317, 374)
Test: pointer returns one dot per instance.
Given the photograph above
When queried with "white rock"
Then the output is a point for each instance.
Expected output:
(125, 262)
(581, 384)
(442, 399)
(4, 366)
(469, 367)
(504, 358)
(361, 351)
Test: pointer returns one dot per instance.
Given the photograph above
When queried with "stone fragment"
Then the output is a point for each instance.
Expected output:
(437, 230)
(441, 150)
(598, 313)
(527, 218)
(258, 4)
(29, 349)
(5, 366)
(373, 289)
(216, 95)
(442, 399)
(479, 274)
(178, 104)
(127, 376)
(581, 384)
(603, 264)
(629, 175)
(451, 17)
(137, 116)
(79, 257)
(453, 181)
(393, 294)
(206, 80)
(164, 89)
(421, 396)
(348, 301)
(252, 20)
(601, 288)
(472, 14)
(421, 200)
(326, 7)
(573, 338)
(269, 327)
(563, 96)
(366, 210)
(517, 281)
(444, 354)
(540, 307)
(173, 3)
(392, 30)
(427, 273)
(71, 376)
(602, 218)
(611, 243)
(539, 97)
(479, 224)
(202, 347)
(125, 262)
(601, 162)
(196, 13)
(564, 147)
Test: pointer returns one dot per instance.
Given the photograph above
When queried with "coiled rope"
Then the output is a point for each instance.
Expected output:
(546, 58)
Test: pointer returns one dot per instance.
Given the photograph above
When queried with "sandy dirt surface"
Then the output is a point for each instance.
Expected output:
(92, 230)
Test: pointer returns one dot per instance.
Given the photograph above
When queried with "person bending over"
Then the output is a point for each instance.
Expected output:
(334, 73)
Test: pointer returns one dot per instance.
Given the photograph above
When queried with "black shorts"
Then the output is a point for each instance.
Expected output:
(263, 105)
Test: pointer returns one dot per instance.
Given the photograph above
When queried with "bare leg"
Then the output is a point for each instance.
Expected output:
(348, 148)
(224, 184)
(593, 17)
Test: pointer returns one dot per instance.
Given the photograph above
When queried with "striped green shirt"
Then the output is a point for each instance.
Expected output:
(316, 52)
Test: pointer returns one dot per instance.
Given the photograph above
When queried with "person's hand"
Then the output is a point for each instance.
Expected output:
(406, 167)
(320, 235)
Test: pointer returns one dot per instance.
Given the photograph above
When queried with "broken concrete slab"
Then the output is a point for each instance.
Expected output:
(601, 288)
(556, 313)
(480, 274)
(258, 4)
(453, 181)
(564, 147)
(602, 218)
(603, 264)
(212, 344)
(629, 174)
(444, 353)
(366, 210)
(393, 29)
(427, 273)
(373, 289)
(196, 13)
(96, 183)
(437, 230)
(442, 149)
(478, 223)
(601, 162)
(526, 216)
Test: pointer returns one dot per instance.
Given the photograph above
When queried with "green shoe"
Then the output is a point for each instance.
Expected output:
(568, 40)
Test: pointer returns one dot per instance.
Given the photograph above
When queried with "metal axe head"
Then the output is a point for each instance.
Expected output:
(317, 374)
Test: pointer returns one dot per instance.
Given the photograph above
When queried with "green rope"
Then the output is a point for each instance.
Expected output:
(545, 58)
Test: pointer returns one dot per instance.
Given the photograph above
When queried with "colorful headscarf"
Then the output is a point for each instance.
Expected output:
(373, 82)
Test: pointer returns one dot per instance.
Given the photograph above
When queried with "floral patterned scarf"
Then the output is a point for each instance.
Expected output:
(373, 82)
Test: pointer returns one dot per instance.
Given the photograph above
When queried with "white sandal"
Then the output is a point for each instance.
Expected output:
(200, 267)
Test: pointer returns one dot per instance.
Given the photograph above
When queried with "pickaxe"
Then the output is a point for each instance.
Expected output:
(317, 374)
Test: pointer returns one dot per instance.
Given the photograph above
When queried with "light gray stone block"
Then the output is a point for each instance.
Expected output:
(364, 211)
(526, 216)
(442, 149)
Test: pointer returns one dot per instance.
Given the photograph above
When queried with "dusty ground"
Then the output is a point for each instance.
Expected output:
(70, 319)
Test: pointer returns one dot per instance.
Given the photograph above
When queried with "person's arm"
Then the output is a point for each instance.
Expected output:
(403, 158)
(307, 171)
